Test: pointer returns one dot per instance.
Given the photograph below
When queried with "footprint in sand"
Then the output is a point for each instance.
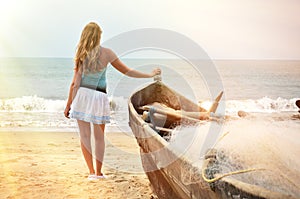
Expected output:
(52, 144)
(122, 180)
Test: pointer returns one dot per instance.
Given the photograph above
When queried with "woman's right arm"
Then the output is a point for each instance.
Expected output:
(120, 66)
(72, 91)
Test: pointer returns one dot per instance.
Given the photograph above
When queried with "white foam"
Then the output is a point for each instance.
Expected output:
(35, 108)
(38, 104)
(263, 105)
(31, 104)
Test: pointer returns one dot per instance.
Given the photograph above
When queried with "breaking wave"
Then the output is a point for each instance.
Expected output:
(38, 104)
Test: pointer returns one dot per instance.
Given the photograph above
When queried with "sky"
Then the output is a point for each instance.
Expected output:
(225, 29)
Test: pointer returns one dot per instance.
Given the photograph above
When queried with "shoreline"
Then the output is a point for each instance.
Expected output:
(50, 165)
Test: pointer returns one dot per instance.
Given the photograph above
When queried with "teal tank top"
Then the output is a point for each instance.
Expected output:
(96, 81)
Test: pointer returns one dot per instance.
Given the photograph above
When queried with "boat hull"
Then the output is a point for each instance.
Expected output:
(165, 169)
(162, 166)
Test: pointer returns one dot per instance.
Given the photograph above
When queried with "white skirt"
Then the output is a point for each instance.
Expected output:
(90, 106)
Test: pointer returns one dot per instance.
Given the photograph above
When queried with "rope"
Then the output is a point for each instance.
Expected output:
(222, 136)
(245, 171)
(227, 174)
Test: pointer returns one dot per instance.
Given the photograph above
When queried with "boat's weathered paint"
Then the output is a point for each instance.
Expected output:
(165, 179)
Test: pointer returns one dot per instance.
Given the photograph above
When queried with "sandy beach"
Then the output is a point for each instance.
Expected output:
(50, 165)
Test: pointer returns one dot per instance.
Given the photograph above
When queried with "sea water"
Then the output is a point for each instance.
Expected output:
(33, 91)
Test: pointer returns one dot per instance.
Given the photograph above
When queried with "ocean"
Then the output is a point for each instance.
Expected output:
(33, 91)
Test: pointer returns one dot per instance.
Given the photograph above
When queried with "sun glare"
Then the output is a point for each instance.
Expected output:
(5, 12)
(206, 104)
(8, 11)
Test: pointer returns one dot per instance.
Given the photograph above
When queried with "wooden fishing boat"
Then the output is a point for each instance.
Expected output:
(162, 165)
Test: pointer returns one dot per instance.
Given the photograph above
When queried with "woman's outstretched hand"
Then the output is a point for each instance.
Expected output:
(156, 71)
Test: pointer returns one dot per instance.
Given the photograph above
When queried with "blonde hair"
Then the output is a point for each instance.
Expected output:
(88, 49)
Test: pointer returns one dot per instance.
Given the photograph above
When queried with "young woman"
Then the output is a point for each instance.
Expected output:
(88, 102)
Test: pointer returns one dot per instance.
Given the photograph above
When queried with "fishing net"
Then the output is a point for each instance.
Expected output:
(262, 154)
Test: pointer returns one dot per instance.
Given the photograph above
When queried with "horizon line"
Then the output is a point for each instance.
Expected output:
(161, 58)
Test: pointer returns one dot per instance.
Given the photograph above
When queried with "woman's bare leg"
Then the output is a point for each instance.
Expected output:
(99, 146)
(85, 142)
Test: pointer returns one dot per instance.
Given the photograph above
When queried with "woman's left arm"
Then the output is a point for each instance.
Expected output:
(72, 91)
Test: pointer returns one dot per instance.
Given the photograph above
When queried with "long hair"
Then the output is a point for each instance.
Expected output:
(88, 49)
